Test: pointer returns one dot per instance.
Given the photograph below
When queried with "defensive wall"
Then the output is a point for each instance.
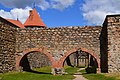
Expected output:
(102, 42)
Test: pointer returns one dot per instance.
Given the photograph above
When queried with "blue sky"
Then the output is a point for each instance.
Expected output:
(71, 16)
(57, 13)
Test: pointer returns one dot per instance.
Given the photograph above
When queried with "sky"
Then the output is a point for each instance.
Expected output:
(58, 13)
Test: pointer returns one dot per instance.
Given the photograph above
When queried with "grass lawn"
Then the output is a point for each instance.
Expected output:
(102, 76)
(41, 74)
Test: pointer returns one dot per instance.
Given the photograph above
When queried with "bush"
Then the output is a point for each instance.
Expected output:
(91, 70)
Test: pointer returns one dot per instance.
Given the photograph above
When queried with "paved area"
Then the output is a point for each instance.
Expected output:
(79, 75)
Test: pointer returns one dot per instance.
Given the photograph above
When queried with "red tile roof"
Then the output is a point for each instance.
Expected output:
(34, 20)
(16, 22)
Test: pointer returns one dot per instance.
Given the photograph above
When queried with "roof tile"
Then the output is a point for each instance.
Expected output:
(34, 20)
(16, 22)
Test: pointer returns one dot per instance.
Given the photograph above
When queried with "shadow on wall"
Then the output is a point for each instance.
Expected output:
(68, 61)
(24, 63)
(104, 48)
(26, 66)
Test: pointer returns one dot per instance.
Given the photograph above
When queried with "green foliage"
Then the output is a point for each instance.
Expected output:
(91, 69)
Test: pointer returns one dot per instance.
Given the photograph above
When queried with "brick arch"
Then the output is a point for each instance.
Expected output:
(62, 59)
(28, 51)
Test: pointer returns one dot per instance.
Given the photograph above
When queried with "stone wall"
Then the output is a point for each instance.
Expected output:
(59, 40)
(7, 46)
(37, 60)
(113, 31)
(103, 41)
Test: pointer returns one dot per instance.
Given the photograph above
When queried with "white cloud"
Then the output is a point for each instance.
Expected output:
(94, 11)
(62, 4)
(43, 4)
(5, 14)
(22, 14)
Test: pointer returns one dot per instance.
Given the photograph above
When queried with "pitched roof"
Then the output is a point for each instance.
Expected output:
(16, 22)
(34, 20)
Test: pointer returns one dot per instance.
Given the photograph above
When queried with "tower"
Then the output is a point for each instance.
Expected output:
(34, 20)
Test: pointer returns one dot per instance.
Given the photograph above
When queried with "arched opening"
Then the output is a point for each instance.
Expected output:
(27, 59)
(33, 60)
(81, 57)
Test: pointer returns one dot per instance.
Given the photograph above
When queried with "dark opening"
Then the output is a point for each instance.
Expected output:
(82, 59)
(34, 60)
(24, 63)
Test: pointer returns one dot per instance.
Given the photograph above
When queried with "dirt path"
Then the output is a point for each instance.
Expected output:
(79, 75)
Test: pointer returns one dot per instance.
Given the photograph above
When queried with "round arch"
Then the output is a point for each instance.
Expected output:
(20, 56)
(83, 49)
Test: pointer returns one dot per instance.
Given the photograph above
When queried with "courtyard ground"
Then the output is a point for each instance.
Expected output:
(101, 76)
(79, 76)
(45, 74)
(39, 74)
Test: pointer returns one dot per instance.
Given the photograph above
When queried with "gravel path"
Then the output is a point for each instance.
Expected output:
(79, 75)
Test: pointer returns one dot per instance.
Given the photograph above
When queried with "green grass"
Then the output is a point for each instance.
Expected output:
(71, 70)
(44, 75)
(102, 76)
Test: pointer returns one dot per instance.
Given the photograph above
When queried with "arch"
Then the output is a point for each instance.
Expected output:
(28, 51)
(62, 59)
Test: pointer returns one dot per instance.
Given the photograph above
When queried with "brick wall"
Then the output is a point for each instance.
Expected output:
(113, 27)
(57, 41)
(7, 46)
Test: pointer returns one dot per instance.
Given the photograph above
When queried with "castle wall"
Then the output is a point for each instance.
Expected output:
(57, 41)
(7, 46)
(38, 59)
(113, 27)
(103, 41)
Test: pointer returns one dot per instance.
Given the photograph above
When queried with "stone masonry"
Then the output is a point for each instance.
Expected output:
(7, 46)
(59, 40)
(113, 42)
(37, 60)
(58, 43)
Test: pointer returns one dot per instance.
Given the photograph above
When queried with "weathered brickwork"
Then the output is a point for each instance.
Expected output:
(113, 31)
(7, 46)
(57, 40)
